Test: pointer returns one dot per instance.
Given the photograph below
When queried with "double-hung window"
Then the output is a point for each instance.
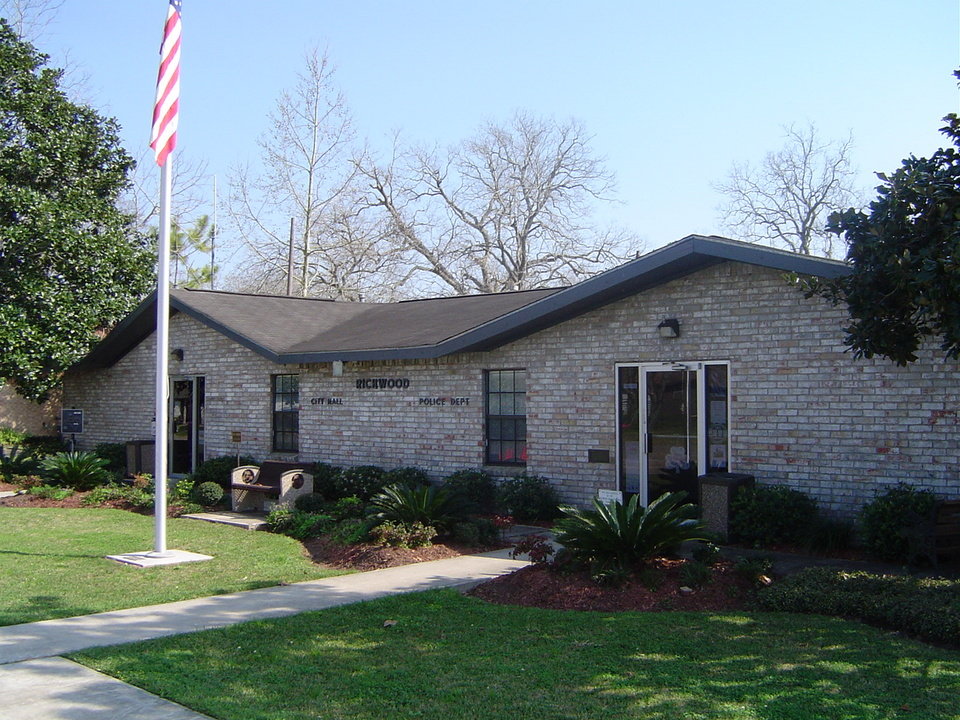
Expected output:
(506, 417)
(286, 413)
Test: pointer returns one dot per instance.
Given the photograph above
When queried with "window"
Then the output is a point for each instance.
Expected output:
(286, 413)
(506, 407)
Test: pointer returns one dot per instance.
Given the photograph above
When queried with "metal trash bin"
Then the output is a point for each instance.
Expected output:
(717, 489)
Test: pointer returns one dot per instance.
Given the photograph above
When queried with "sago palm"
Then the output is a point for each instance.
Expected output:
(621, 536)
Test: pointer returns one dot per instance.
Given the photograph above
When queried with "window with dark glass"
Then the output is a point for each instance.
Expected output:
(506, 408)
(286, 413)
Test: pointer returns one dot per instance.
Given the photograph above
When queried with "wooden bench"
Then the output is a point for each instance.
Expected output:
(933, 536)
(256, 487)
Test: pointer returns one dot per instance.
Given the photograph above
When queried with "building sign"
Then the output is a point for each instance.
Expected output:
(71, 421)
(326, 401)
(443, 401)
(383, 383)
(235, 436)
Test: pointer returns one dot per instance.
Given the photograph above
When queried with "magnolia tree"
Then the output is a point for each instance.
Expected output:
(71, 265)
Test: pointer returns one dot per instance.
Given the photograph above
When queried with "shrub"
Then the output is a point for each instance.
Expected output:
(752, 569)
(298, 524)
(707, 553)
(892, 521)
(218, 470)
(9, 436)
(409, 476)
(311, 503)
(50, 492)
(695, 574)
(829, 536)
(476, 531)
(405, 535)
(348, 507)
(536, 547)
(43, 445)
(27, 481)
(350, 531)
(79, 470)
(474, 490)
(183, 492)
(928, 608)
(20, 461)
(529, 497)
(401, 504)
(621, 536)
(326, 480)
(362, 481)
(115, 455)
(279, 519)
(207, 493)
(768, 515)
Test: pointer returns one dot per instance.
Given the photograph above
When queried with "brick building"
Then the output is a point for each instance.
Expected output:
(702, 355)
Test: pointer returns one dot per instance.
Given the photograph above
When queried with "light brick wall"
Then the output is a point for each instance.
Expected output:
(803, 411)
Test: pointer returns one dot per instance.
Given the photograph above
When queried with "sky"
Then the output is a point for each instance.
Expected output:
(673, 93)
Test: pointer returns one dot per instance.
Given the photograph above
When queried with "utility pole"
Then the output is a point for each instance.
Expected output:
(213, 236)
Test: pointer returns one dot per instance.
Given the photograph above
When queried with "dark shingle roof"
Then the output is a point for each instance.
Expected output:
(291, 330)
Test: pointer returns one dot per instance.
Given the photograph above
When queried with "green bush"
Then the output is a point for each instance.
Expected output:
(405, 535)
(474, 490)
(829, 536)
(326, 480)
(311, 503)
(116, 456)
(409, 476)
(768, 515)
(25, 482)
(78, 470)
(10, 436)
(529, 497)
(695, 574)
(362, 481)
(401, 504)
(20, 461)
(928, 608)
(892, 523)
(622, 536)
(183, 492)
(346, 508)
(477, 532)
(138, 497)
(707, 553)
(207, 493)
(50, 492)
(218, 470)
(753, 569)
(350, 531)
(298, 524)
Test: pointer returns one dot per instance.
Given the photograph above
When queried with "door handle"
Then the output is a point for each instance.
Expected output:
(649, 443)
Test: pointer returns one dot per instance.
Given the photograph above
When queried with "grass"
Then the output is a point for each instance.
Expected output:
(52, 562)
(450, 657)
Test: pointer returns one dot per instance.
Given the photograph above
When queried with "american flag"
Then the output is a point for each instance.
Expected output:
(163, 137)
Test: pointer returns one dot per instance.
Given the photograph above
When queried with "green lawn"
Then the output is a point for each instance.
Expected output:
(452, 657)
(52, 562)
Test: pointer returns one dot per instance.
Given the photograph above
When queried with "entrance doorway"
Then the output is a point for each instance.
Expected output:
(673, 426)
(186, 424)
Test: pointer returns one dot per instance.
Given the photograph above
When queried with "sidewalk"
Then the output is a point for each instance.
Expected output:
(35, 684)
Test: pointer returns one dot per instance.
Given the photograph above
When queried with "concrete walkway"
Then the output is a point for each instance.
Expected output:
(36, 685)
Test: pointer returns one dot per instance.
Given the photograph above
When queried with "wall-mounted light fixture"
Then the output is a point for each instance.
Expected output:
(337, 368)
(178, 354)
(669, 328)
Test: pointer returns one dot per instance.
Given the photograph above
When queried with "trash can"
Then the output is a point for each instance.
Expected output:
(717, 489)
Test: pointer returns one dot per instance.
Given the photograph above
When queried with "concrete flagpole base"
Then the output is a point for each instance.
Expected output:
(153, 558)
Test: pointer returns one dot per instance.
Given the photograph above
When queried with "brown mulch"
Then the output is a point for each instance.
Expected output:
(75, 501)
(657, 588)
(364, 557)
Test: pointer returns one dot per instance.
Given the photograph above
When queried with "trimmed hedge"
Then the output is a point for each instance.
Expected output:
(927, 608)
(893, 523)
(768, 515)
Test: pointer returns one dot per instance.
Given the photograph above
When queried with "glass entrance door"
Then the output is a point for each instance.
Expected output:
(672, 426)
(671, 431)
(186, 425)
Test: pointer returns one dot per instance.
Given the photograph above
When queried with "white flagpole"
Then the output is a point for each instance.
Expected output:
(163, 360)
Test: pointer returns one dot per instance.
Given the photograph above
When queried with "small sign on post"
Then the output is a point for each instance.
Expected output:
(235, 438)
(71, 421)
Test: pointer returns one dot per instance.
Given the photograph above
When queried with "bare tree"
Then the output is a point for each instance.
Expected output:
(506, 210)
(309, 174)
(786, 201)
(29, 18)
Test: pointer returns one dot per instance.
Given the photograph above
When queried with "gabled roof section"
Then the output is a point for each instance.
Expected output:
(299, 330)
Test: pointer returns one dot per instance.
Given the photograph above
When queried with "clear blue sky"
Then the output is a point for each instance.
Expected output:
(673, 92)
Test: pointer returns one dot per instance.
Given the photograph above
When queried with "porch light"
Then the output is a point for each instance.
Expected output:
(177, 354)
(669, 328)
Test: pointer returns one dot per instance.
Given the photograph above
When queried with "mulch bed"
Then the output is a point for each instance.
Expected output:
(75, 501)
(376, 557)
(656, 589)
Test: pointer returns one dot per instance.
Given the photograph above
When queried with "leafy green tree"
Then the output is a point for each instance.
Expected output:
(184, 244)
(905, 254)
(70, 264)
